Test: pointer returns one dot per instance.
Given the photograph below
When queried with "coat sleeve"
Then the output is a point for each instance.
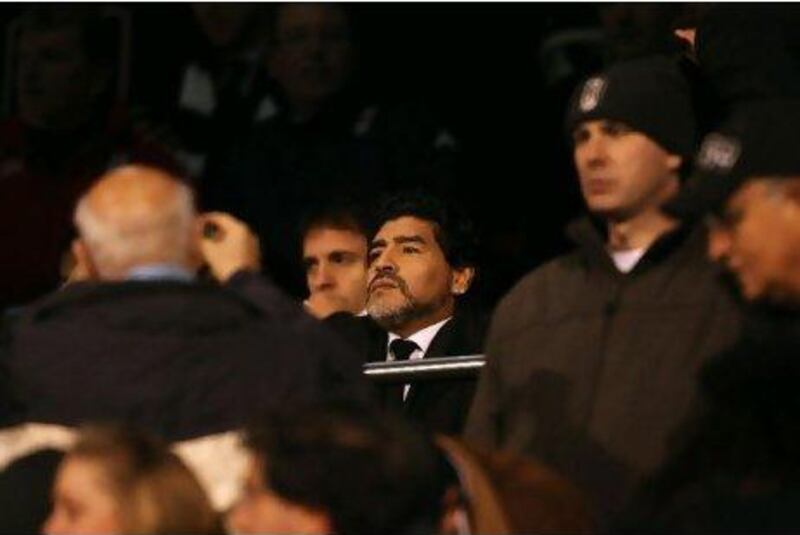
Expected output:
(337, 367)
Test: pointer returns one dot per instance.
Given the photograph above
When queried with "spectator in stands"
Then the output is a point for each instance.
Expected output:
(421, 263)
(328, 136)
(223, 87)
(747, 183)
(340, 470)
(116, 480)
(592, 357)
(66, 129)
(335, 258)
(144, 342)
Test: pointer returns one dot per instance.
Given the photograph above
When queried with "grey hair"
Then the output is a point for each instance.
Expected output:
(780, 188)
(141, 236)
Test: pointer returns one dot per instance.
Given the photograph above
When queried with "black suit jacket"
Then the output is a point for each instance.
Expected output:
(182, 360)
(440, 406)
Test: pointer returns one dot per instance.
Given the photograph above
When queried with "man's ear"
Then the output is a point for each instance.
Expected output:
(674, 162)
(461, 280)
(85, 268)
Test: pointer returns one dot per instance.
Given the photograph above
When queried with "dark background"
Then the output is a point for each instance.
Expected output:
(478, 68)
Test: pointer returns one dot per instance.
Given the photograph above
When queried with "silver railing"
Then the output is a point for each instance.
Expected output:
(412, 371)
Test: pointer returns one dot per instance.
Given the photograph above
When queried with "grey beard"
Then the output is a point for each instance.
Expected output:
(393, 318)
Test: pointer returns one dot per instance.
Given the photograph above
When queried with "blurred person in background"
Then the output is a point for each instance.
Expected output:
(139, 337)
(339, 469)
(746, 184)
(504, 493)
(732, 466)
(223, 88)
(335, 259)
(116, 480)
(329, 135)
(67, 128)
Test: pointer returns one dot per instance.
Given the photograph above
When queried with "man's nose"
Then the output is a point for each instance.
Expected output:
(594, 150)
(719, 244)
(322, 277)
(384, 263)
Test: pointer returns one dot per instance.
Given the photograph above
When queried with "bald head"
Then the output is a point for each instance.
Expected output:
(135, 216)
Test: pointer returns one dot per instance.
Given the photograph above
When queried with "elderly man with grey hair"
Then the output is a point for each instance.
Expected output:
(137, 337)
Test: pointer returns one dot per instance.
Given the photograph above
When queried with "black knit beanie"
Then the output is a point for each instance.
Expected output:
(650, 95)
(760, 139)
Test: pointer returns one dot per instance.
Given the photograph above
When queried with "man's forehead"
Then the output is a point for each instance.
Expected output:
(751, 191)
(600, 122)
(328, 238)
(406, 226)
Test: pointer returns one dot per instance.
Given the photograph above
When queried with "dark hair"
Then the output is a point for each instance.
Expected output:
(370, 472)
(340, 215)
(452, 227)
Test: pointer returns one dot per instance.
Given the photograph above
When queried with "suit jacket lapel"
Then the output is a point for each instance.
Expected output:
(439, 347)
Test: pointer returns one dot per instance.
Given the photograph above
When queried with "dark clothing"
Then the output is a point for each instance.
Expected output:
(215, 102)
(25, 491)
(178, 359)
(734, 465)
(352, 150)
(589, 369)
(440, 406)
(42, 175)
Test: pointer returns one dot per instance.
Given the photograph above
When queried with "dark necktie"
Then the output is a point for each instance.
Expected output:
(401, 350)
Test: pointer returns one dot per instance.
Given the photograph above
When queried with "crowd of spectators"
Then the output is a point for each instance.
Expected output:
(209, 245)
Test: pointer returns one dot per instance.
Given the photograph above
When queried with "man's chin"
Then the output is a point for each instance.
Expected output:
(389, 315)
(764, 297)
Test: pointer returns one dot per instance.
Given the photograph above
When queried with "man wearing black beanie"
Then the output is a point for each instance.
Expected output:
(592, 357)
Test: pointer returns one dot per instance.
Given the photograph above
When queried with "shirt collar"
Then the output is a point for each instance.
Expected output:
(423, 337)
(150, 272)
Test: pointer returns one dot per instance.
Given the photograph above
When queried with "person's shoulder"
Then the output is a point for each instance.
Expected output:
(152, 300)
(468, 327)
(541, 278)
(531, 296)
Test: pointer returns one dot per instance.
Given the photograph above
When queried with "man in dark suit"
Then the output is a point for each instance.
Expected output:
(421, 259)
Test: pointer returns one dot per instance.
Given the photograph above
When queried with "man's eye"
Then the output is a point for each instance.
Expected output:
(340, 258)
(410, 250)
(579, 136)
(373, 255)
(731, 218)
(616, 129)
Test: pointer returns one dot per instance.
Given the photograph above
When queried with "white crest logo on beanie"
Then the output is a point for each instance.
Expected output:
(718, 153)
(592, 92)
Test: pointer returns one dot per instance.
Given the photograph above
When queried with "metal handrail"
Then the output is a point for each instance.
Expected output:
(430, 369)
